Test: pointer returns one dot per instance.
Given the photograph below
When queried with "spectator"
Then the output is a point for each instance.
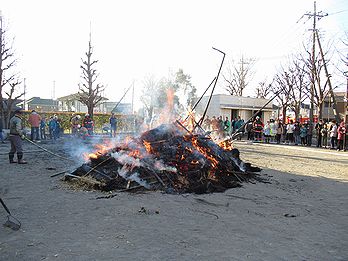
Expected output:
(220, 127)
(214, 124)
(34, 121)
(237, 127)
(318, 127)
(249, 130)
(227, 127)
(43, 128)
(303, 134)
(333, 134)
(290, 132)
(1, 134)
(285, 126)
(113, 125)
(324, 132)
(279, 131)
(309, 133)
(297, 133)
(267, 132)
(273, 127)
(341, 133)
(207, 124)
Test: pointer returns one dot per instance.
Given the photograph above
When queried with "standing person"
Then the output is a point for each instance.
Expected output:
(43, 128)
(75, 124)
(207, 123)
(324, 132)
(113, 125)
(16, 136)
(214, 124)
(303, 134)
(238, 124)
(34, 120)
(1, 134)
(290, 132)
(88, 124)
(297, 133)
(257, 128)
(273, 127)
(221, 126)
(58, 129)
(279, 131)
(318, 127)
(227, 127)
(249, 130)
(341, 133)
(267, 132)
(52, 125)
(309, 133)
(333, 134)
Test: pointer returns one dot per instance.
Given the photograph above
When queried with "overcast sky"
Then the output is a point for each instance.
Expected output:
(136, 38)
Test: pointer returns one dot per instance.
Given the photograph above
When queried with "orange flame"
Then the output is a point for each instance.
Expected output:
(214, 162)
(147, 146)
(226, 144)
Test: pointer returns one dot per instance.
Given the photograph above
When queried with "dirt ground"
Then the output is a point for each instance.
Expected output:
(301, 215)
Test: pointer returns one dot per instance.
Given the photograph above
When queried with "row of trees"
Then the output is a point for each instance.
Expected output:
(299, 80)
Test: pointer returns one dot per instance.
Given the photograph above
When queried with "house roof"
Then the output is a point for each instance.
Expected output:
(74, 96)
(39, 101)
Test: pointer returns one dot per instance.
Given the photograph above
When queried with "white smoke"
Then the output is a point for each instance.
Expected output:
(124, 172)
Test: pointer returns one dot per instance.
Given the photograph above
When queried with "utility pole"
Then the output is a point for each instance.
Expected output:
(25, 92)
(316, 15)
(53, 95)
(333, 100)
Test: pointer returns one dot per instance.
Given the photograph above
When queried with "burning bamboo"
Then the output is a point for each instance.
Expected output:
(168, 158)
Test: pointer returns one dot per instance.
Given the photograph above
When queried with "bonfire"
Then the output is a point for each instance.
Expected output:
(168, 158)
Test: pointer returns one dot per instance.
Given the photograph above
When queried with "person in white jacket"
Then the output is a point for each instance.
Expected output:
(333, 134)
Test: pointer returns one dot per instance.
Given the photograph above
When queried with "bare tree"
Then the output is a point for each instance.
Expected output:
(9, 79)
(280, 87)
(263, 90)
(297, 85)
(321, 88)
(149, 95)
(237, 76)
(90, 91)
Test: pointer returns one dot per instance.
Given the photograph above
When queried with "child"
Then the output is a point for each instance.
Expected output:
(303, 134)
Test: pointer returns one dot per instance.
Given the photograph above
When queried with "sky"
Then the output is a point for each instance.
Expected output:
(136, 39)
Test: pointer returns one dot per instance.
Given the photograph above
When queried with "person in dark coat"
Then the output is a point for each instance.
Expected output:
(16, 136)
(1, 134)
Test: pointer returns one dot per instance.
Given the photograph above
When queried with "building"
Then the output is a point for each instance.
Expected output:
(40, 105)
(233, 106)
(71, 103)
(341, 103)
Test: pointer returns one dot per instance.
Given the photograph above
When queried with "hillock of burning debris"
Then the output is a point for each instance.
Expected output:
(167, 158)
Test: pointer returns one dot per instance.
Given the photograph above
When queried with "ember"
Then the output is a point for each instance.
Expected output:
(171, 159)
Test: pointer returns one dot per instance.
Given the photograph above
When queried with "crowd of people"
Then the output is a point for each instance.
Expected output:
(326, 134)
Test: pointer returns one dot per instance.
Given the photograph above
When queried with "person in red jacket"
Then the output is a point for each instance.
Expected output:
(257, 128)
(341, 134)
(34, 120)
(88, 124)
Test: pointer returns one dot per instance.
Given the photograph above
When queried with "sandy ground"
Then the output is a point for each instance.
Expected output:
(301, 215)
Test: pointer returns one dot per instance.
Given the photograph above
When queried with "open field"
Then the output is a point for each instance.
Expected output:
(301, 215)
